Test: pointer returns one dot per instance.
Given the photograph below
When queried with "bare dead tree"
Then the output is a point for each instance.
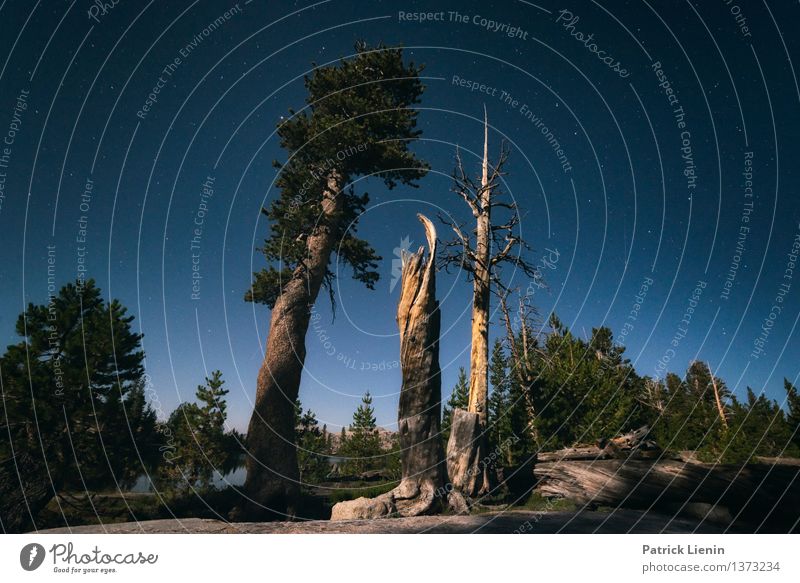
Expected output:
(522, 349)
(494, 242)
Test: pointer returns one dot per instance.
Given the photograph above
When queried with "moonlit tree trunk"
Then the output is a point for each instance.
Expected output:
(419, 412)
(423, 487)
(482, 258)
(479, 354)
(272, 481)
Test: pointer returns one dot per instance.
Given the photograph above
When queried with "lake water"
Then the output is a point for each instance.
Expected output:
(234, 478)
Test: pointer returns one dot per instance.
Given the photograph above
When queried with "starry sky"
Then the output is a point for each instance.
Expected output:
(652, 152)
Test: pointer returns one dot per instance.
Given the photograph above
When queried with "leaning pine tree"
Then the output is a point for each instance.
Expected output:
(359, 121)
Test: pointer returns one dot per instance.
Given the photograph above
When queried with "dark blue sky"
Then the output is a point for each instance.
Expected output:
(649, 187)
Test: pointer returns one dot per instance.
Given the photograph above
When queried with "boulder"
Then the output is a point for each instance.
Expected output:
(364, 508)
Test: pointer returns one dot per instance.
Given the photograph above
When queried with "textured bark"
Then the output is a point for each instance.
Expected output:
(418, 319)
(25, 490)
(422, 488)
(755, 496)
(466, 454)
(272, 483)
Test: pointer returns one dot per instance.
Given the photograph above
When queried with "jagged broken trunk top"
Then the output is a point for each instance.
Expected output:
(418, 320)
(422, 489)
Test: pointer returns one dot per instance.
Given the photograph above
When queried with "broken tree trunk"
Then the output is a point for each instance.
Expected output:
(422, 489)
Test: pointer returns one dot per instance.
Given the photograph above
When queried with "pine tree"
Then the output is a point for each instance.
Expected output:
(313, 447)
(362, 447)
(793, 413)
(501, 407)
(359, 122)
(73, 401)
(202, 446)
(459, 398)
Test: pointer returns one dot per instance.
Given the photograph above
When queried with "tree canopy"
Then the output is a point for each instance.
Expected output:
(358, 120)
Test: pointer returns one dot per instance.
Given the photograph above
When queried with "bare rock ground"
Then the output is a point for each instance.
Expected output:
(507, 522)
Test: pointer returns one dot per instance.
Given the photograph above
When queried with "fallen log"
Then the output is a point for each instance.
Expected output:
(632, 444)
(758, 497)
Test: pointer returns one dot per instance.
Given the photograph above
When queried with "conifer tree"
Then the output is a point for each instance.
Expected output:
(313, 447)
(362, 448)
(202, 445)
(793, 413)
(501, 408)
(73, 405)
(458, 399)
(360, 121)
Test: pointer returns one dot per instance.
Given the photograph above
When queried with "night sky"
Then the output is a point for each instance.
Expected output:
(653, 151)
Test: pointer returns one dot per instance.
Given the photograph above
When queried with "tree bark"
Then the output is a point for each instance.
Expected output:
(273, 479)
(423, 488)
(466, 454)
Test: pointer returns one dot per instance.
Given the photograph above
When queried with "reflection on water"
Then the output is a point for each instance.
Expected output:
(234, 478)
